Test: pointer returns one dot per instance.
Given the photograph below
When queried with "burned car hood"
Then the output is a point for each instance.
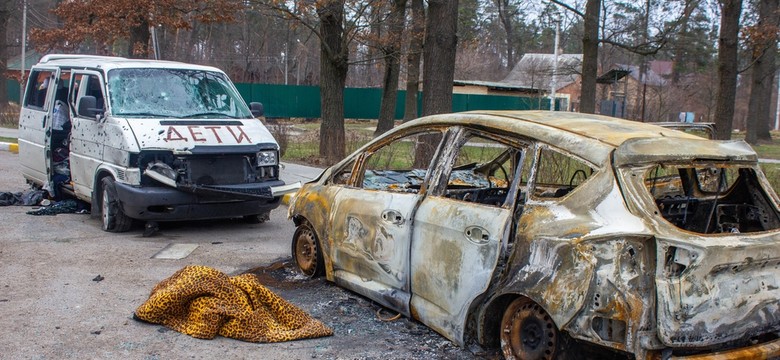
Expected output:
(184, 135)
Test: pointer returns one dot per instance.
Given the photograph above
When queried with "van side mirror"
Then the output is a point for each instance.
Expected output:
(88, 107)
(256, 108)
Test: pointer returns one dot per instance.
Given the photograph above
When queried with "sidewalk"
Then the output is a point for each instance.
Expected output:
(10, 133)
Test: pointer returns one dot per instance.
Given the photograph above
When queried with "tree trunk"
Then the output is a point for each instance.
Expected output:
(759, 109)
(506, 21)
(138, 46)
(333, 76)
(441, 41)
(413, 59)
(681, 47)
(590, 56)
(727, 67)
(395, 24)
(5, 13)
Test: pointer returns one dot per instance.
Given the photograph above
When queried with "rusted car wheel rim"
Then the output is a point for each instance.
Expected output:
(528, 332)
(306, 251)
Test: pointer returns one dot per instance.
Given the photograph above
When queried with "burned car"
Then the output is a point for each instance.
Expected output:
(537, 232)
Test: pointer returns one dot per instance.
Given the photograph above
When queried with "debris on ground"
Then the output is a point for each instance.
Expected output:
(69, 206)
(348, 314)
(30, 197)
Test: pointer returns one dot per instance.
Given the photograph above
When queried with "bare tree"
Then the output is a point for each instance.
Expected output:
(415, 36)
(5, 13)
(391, 51)
(763, 39)
(334, 56)
(727, 66)
(441, 41)
(507, 10)
(108, 23)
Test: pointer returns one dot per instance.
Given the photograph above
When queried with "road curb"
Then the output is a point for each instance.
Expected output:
(12, 147)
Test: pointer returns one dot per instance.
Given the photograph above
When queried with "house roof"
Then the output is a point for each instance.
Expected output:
(495, 85)
(535, 71)
(612, 76)
(656, 73)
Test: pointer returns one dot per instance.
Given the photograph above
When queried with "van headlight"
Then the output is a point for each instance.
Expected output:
(267, 158)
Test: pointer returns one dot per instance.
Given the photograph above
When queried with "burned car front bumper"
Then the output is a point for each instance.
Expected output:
(162, 203)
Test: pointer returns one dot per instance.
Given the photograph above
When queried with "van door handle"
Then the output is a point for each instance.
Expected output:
(477, 234)
(43, 125)
(393, 217)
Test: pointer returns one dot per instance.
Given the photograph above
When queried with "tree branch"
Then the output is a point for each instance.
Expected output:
(568, 7)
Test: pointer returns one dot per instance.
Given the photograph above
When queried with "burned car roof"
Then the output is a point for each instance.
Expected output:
(590, 136)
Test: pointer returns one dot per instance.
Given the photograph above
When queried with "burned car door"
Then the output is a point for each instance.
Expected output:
(371, 220)
(460, 228)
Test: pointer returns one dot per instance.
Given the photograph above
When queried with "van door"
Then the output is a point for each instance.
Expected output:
(35, 124)
(86, 142)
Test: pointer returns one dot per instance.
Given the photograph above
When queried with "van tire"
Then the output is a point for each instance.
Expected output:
(112, 217)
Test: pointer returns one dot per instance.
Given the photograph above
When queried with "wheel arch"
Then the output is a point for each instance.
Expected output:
(97, 187)
(489, 321)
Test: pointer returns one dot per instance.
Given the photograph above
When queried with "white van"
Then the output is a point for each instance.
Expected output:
(146, 140)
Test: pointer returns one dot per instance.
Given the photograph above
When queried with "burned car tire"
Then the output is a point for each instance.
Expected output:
(528, 332)
(306, 251)
(111, 215)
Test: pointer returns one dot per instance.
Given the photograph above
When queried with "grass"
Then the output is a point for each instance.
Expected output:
(7, 139)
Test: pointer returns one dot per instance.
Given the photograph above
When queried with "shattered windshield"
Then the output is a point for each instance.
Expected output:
(712, 198)
(178, 93)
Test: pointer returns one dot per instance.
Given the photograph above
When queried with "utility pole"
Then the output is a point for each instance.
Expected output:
(777, 106)
(24, 49)
(555, 63)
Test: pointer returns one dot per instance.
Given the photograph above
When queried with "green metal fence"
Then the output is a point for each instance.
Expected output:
(288, 101)
(363, 103)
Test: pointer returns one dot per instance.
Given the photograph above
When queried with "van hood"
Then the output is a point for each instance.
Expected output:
(184, 135)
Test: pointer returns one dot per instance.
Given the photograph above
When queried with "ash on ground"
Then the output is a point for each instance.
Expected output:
(358, 322)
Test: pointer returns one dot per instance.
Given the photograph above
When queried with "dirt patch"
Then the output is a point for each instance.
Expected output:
(353, 318)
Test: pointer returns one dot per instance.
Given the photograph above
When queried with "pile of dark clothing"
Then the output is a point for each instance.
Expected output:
(69, 206)
(36, 197)
(27, 198)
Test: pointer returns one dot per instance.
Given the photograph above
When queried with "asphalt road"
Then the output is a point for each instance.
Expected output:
(52, 308)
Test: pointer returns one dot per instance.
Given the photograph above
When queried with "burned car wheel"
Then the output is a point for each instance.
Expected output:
(528, 332)
(114, 220)
(306, 251)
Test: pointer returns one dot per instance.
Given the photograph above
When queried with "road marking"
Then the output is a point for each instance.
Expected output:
(175, 251)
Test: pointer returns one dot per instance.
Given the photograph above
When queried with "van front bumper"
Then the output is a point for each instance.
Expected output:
(161, 203)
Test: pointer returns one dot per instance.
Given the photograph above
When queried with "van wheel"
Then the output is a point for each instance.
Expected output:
(306, 251)
(114, 220)
(528, 332)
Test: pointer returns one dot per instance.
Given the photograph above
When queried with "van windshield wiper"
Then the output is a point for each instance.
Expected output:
(149, 114)
(209, 114)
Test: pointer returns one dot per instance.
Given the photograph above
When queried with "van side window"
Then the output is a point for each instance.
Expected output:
(94, 89)
(38, 89)
(74, 91)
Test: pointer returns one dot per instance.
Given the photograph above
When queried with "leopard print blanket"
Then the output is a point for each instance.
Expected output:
(202, 302)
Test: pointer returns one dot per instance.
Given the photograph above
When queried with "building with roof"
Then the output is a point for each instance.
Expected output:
(532, 76)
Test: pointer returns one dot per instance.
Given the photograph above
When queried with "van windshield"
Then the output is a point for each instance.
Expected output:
(178, 93)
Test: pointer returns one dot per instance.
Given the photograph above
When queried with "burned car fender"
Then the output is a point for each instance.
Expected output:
(312, 204)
